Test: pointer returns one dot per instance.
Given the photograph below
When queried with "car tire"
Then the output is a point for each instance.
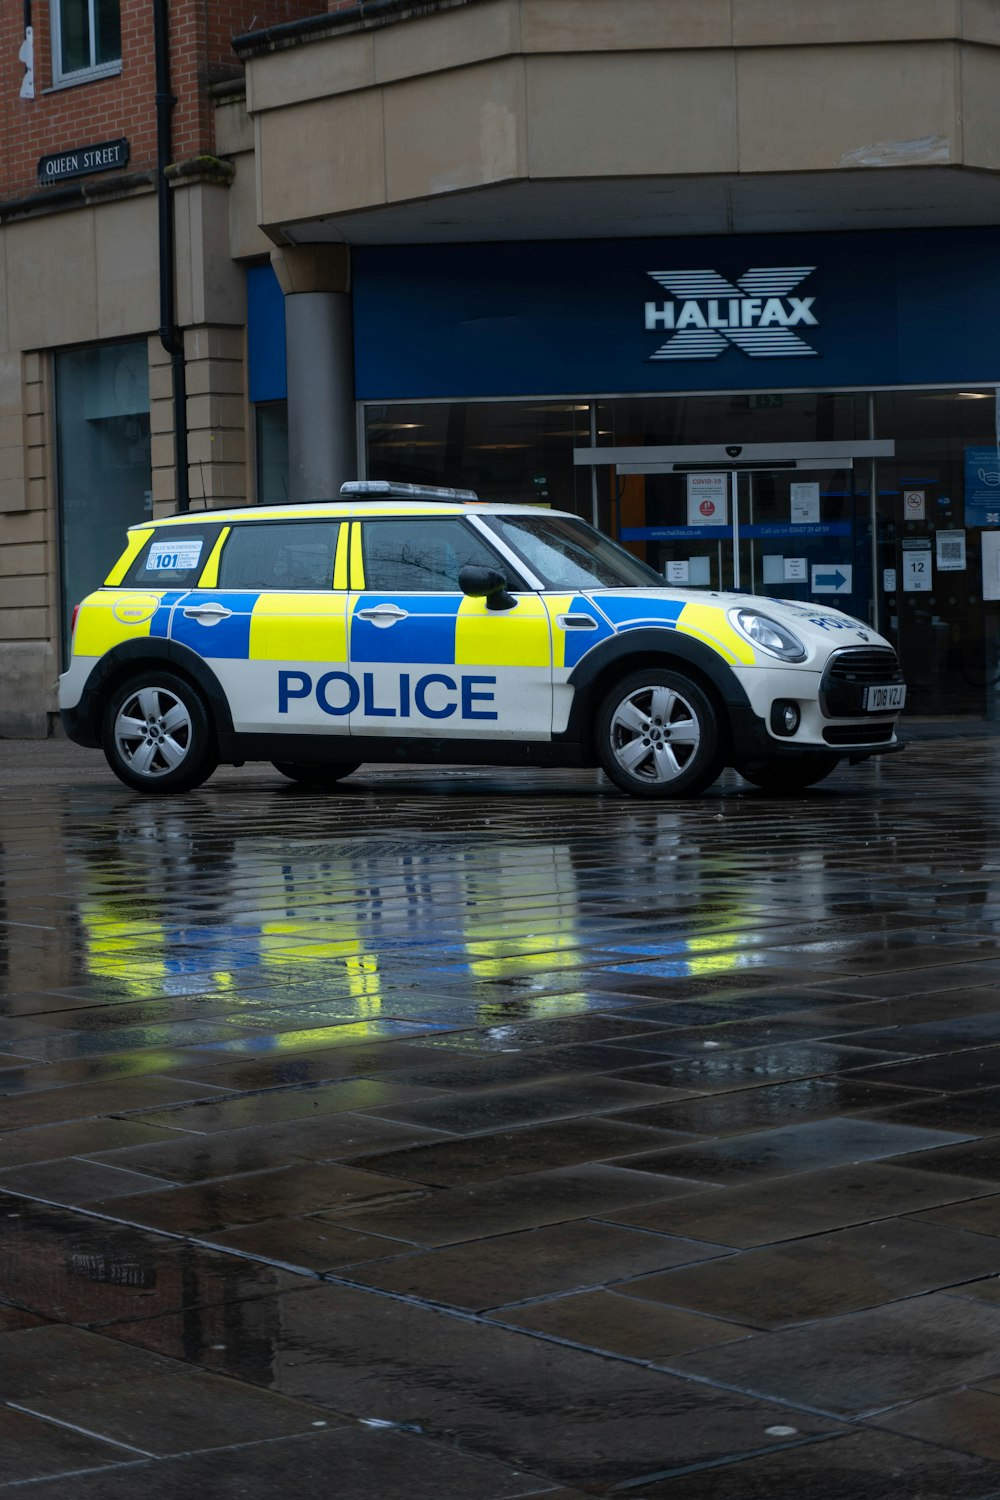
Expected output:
(788, 773)
(316, 776)
(157, 735)
(658, 735)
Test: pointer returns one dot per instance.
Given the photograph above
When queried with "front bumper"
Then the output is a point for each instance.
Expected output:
(854, 735)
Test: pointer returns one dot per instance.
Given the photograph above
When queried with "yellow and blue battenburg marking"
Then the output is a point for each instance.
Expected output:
(544, 634)
(438, 630)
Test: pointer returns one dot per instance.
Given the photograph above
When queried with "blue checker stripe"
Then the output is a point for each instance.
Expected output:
(425, 637)
(160, 623)
(229, 639)
(632, 614)
(579, 642)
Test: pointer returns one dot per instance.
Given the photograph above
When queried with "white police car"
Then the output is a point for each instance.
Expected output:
(402, 623)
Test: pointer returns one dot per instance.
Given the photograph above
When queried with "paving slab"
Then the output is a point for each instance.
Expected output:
(532, 1140)
(572, 1416)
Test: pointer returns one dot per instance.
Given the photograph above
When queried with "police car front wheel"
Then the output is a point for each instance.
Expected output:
(316, 776)
(157, 735)
(658, 735)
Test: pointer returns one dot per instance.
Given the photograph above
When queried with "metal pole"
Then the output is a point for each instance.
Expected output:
(874, 613)
(593, 467)
(171, 336)
(734, 492)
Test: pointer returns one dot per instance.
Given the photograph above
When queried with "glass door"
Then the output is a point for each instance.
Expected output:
(781, 531)
(805, 535)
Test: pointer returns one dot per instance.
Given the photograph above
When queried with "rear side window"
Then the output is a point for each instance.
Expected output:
(283, 555)
(174, 556)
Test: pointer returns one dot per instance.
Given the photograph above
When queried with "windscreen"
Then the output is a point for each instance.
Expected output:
(566, 553)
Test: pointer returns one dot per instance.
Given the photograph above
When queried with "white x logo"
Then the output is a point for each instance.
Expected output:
(756, 315)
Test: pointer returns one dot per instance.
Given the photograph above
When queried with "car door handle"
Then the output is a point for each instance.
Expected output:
(383, 614)
(208, 614)
(576, 622)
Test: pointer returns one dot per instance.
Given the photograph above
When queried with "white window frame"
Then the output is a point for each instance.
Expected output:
(62, 79)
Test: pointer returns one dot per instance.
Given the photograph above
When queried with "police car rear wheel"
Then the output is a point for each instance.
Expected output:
(792, 773)
(658, 735)
(316, 776)
(157, 735)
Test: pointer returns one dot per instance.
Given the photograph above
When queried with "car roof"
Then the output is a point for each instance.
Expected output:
(346, 510)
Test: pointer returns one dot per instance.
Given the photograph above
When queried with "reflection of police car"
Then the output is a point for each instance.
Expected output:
(407, 624)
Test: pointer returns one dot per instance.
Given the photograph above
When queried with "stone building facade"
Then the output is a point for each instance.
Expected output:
(474, 241)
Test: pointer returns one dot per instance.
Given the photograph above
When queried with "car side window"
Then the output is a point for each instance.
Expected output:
(173, 557)
(285, 555)
(424, 555)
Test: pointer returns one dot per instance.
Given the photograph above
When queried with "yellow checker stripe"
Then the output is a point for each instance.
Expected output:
(299, 627)
(707, 623)
(502, 638)
(558, 604)
(357, 560)
(340, 560)
(135, 542)
(210, 573)
(106, 618)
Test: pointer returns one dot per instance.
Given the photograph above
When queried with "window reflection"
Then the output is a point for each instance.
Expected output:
(504, 450)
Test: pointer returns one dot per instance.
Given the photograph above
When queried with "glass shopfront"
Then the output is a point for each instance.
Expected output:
(812, 416)
(103, 461)
(888, 539)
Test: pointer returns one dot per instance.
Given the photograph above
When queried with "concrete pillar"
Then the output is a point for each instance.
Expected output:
(319, 344)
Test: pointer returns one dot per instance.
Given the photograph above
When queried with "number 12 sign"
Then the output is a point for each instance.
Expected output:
(917, 572)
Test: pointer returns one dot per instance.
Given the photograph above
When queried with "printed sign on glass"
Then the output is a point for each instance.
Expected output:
(173, 556)
(950, 551)
(991, 564)
(918, 568)
(832, 578)
(805, 503)
(982, 486)
(707, 499)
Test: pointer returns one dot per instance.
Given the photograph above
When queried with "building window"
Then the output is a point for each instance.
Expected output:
(504, 450)
(86, 38)
(103, 462)
(271, 425)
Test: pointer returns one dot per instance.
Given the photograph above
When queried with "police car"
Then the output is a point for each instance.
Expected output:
(403, 623)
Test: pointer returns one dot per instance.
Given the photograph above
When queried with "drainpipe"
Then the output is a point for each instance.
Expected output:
(26, 55)
(171, 337)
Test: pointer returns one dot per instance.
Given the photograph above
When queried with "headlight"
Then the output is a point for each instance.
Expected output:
(767, 634)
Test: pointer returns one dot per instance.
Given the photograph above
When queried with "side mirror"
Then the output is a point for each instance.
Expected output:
(486, 583)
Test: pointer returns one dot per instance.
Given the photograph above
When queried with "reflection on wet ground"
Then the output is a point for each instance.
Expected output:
(475, 1135)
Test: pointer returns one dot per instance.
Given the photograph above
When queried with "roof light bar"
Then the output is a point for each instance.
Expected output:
(386, 489)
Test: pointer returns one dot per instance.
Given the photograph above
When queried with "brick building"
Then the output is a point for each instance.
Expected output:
(86, 408)
(599, 253)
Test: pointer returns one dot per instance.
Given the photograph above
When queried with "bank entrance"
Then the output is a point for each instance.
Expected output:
(788, 520)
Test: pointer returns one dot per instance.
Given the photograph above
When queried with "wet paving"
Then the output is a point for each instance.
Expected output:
(467, 1134)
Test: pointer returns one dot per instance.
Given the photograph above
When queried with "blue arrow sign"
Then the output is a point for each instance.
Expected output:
(831, 580)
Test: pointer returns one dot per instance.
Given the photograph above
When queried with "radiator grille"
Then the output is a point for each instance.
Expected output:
(864, 665)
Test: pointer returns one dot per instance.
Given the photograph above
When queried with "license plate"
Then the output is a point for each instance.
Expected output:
(883, 700)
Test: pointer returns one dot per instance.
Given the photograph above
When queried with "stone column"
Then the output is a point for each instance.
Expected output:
(322, 431)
